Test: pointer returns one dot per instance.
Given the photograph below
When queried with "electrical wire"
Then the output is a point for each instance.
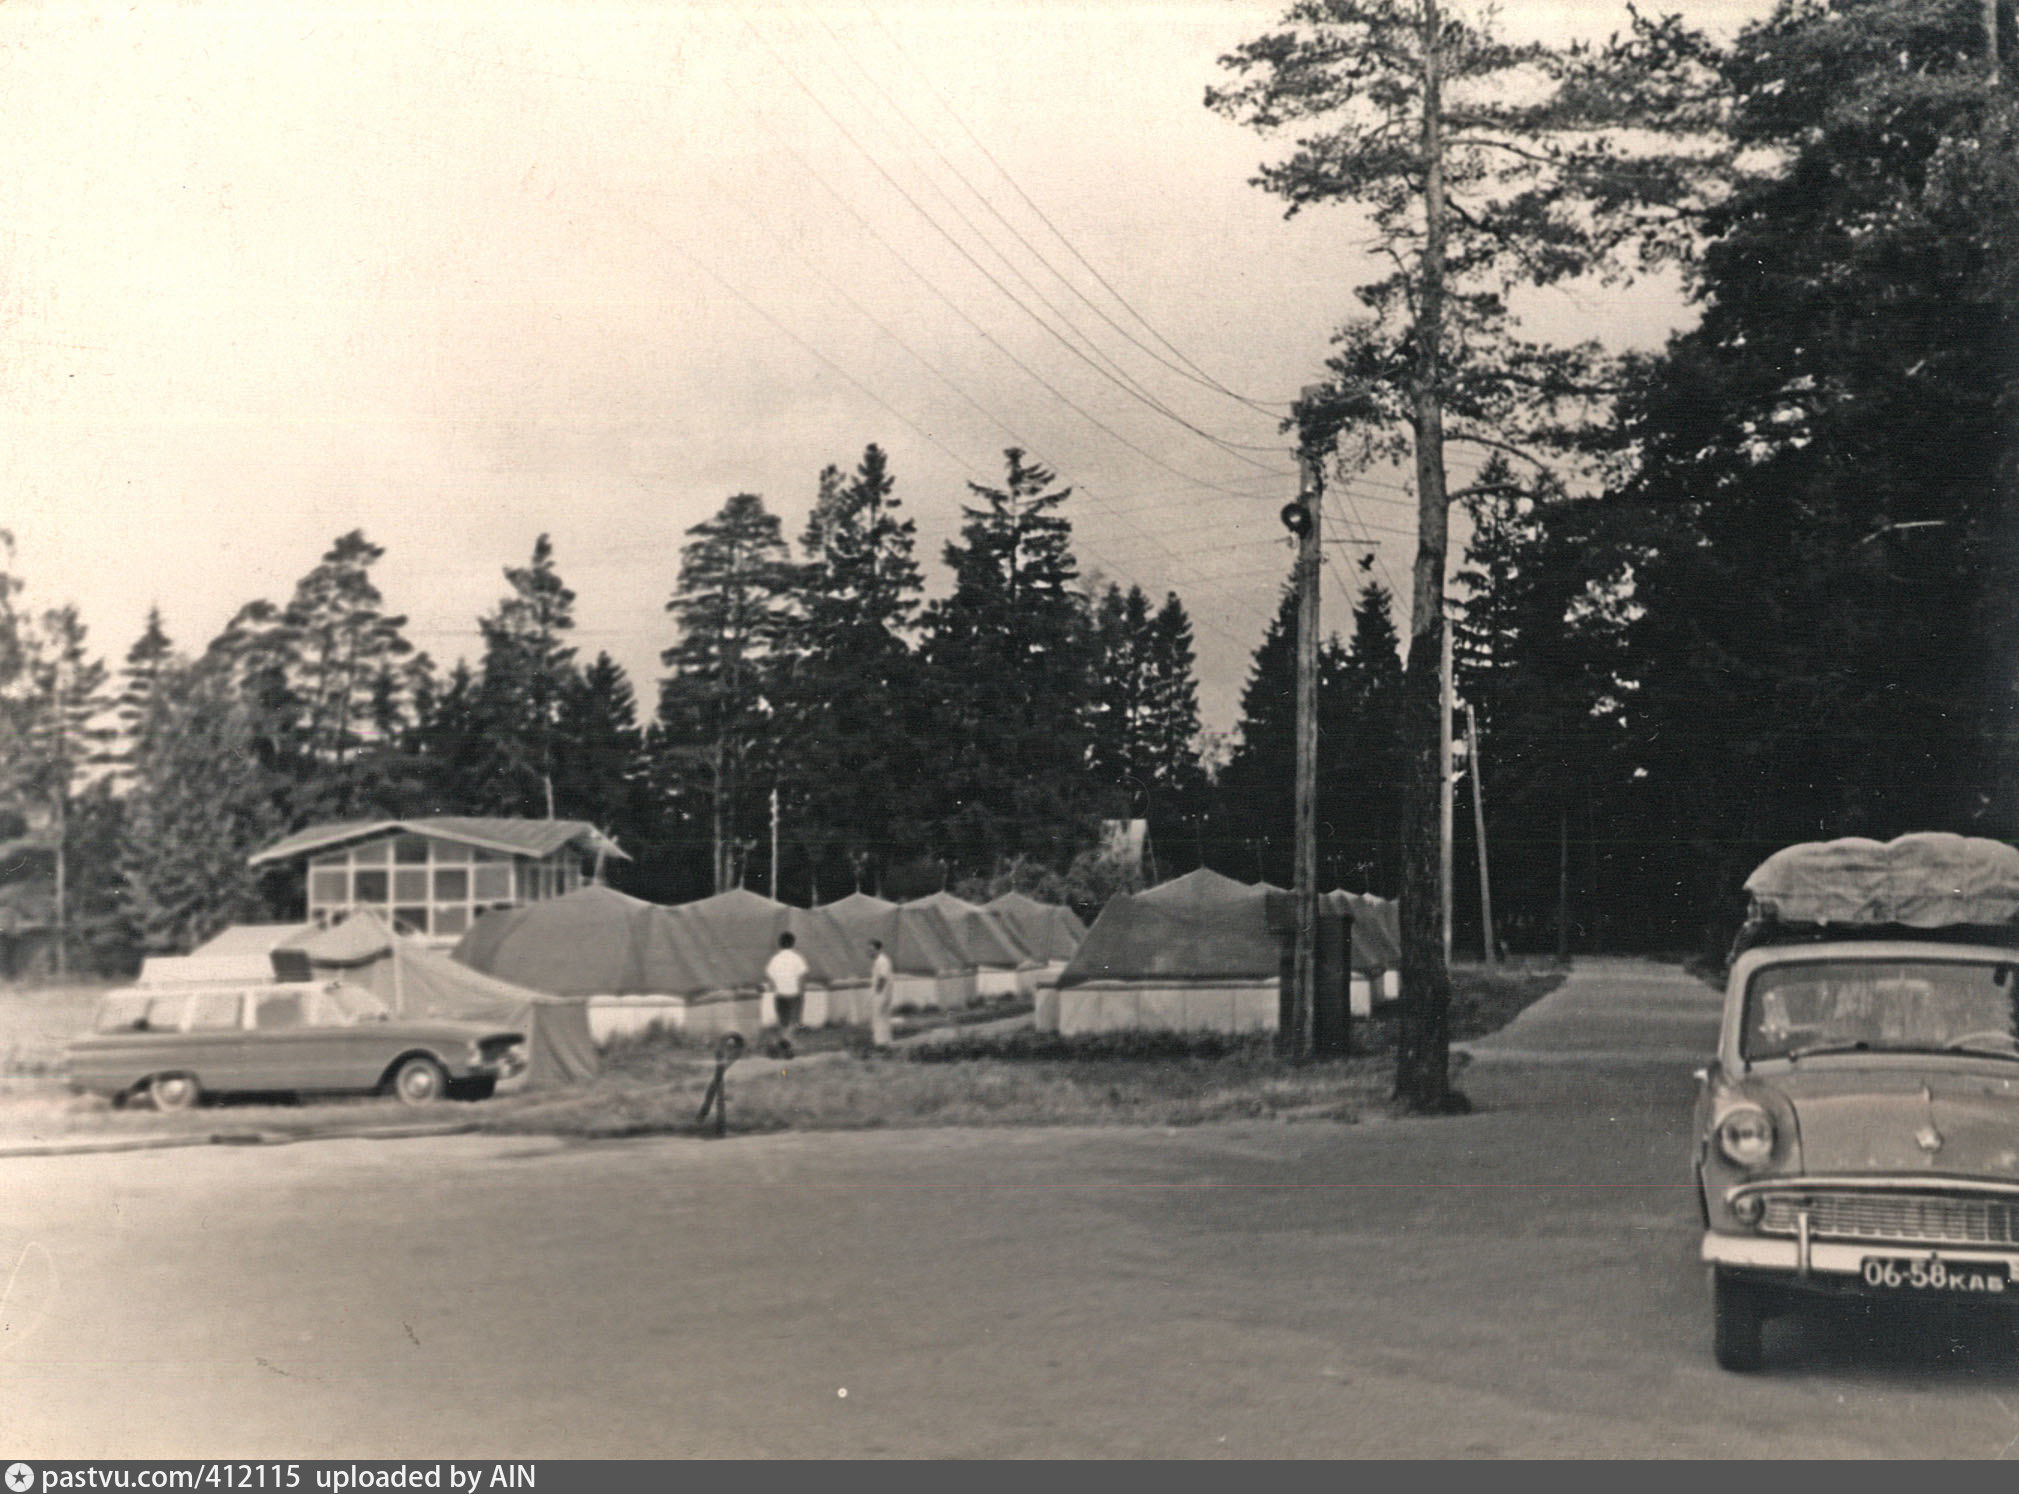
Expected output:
(1266, 406)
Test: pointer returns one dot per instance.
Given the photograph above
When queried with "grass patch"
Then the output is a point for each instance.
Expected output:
(908, 1088)
(652, 1083)
(1485, 998)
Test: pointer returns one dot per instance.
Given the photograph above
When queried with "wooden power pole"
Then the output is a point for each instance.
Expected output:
(773, 888)
(1304, 968)
(1444, 790)
(1487, 942)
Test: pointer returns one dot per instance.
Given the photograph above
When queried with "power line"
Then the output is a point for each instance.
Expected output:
(1267, 406)
(1035, 252)
(961, 249)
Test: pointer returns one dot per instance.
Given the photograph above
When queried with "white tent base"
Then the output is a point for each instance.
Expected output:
(1169, 1006)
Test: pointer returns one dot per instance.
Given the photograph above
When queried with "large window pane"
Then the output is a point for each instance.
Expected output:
(409, 849)
(451, 920)
(410, 885)
(412, 920)
(376, 851)
(452, 884)
(493, 882)
(371, 886)
(451, 850)
(329, 887)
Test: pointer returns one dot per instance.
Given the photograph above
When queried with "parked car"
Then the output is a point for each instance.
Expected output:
(176, 1046)
(1858, 1135)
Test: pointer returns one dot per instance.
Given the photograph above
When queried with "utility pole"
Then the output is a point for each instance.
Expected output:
(773, 888)
(1444, 790)
(1302, 518)
(1478, 764)
(1563, 887)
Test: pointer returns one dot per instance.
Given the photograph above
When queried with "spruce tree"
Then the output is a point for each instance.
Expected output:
(728, 671)
(1008, 655)
(527, 675)
(853, 733)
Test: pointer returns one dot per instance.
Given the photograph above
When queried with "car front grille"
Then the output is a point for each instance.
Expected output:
(1911, 1218)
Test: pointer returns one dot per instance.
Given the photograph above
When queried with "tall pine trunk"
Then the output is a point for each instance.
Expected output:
(1423, 1041)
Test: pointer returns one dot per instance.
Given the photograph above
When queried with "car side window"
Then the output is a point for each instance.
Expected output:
(164, 1014)
(214, 1011)
(277, 1012)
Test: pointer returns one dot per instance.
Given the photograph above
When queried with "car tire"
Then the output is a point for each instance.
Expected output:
(472, 1089)
(1737, 1312)
(420, 1081)
(171, 1092)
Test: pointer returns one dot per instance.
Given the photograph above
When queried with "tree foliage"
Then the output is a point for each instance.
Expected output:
(1007, 658)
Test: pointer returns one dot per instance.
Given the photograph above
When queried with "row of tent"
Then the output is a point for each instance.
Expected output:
(605, 963)
(700, 966)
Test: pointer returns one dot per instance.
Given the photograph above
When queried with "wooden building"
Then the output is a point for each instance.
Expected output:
(433, 877)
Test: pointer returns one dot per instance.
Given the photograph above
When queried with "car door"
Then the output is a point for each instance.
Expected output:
(212, 1043)
(284, 1052)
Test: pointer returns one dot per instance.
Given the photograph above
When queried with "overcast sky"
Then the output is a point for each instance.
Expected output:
(457, 274)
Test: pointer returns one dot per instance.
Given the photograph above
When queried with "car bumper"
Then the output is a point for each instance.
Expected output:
(1837, 1267)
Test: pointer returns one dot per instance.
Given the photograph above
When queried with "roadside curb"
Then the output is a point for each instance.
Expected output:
(94, 1146)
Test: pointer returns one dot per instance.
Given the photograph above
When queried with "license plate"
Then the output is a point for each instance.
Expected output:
(1933, 1274)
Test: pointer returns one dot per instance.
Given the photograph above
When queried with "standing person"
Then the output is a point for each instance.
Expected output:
(882, 990)
(786, 977)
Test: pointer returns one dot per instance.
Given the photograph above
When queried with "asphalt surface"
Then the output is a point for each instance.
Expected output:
(1518, 1282)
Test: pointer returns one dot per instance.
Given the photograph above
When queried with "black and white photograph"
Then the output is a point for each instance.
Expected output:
(941, 730)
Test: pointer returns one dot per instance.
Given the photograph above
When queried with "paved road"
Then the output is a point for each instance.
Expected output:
(1517, 1282)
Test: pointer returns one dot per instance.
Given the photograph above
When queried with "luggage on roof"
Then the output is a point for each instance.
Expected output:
(1926, 881)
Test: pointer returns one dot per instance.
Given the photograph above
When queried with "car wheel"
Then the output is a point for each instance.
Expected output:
(420, 1081)
(174, 1091)
(473, 1089)
(1737, 1311)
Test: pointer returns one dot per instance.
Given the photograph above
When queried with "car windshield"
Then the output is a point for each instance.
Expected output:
(1878, 1005)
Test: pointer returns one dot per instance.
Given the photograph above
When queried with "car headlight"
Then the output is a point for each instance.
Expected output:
(1746, 1135)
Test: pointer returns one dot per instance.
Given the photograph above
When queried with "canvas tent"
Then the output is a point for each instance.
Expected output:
(243, 952)
(1051, 933)
(1201, 953)
(1003, 965)
(930, 970)
(747, 927)
(637, 962)
(416, 981)
(1377, 946)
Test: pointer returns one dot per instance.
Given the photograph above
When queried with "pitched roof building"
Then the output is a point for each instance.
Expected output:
(433, 876)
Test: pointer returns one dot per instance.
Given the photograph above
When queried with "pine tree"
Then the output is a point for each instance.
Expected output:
(1481, 166)
(339, 643)
(312, 675)
(734, 609)
(1009, 657)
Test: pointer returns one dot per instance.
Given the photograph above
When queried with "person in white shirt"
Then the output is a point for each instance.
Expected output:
(786, 978)
(882, 988)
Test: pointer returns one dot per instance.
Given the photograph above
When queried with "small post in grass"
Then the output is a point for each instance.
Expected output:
(727, 1050)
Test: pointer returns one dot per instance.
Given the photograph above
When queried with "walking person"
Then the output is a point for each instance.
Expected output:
(785, 978)
(882, 991)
